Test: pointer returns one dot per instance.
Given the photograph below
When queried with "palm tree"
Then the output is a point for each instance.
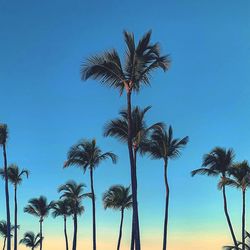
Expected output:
(73, 192)
(31, 240)
(165, 147)
(240, 178)
(62, 208)
(217, 163)
(140, 61)
(4, 232)
(15, 177)
(40, 208)
(118, 128)
(118, 197)
(87, 155)
(3, 141)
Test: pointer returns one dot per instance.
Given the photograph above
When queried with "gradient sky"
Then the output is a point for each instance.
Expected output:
(204, 95)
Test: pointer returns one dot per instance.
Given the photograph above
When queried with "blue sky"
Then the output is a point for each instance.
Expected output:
(204, 95)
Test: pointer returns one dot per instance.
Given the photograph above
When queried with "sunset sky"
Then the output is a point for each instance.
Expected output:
(204, 95)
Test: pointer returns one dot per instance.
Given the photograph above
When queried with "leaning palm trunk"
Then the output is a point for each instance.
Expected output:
(41, 233)
(65, 233)
(4, 243)
(228, 218)
(93, 207)
(7, 198)
(166, 205)
(135, 227)
(243, 218)
(75, 232)
(15, 233)
(120, 232)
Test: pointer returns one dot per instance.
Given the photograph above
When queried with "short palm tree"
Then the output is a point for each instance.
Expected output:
(74, 193)
(4, 232)
(31, 240)
(140, 61)
(40, 208)
(15, 177)
(239, 178)
(118, 128)
(3, 141)
(87, 155)
(165, 147)
(62, 208)
(217, 163)
(118, 197)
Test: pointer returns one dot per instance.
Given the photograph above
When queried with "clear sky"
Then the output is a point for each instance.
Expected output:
(204, 95)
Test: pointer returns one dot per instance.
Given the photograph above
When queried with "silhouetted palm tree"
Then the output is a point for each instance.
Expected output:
(87, 155)
(40, 208)
(3, 141)
(140, 61)
(118, 197)
(74, 193)
(118, 128)
(239, 178)
(15, 177)
(62, 208)
(217, 163)
(31, 240)
(165, 147)
(4, 232)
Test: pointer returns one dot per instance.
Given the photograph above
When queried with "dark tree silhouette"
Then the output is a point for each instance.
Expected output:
(31, 240)
(4, 232)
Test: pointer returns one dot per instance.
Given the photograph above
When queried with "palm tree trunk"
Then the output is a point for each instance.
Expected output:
(227, 217)
(243, 218)
(15, 236)
(133, 178)
(7, 198)
(65, 233)
(41, 233)
(120, 233)
(132, 243)
(4, 243)
(75, 232)
(166, 205)
(93, 207)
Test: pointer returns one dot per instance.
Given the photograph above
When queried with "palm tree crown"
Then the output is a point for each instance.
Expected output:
(164, 146)
(3, 229)
(118, 128)
(140, 61)
(38, 207)
(117, 197)
(31, 240)
(240, 176)
(87, 154)
(74, 193)
(217, 162)
(61, 208)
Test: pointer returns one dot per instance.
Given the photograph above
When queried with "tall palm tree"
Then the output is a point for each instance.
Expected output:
(165, 147)
(3, 141)
(140, 61)
(40, 208)
(118, 128)
(4, 232)
(239, 178)
(74, 193)
(87, 155)
(217, 163)
(31, 240)
(62, 208)
(118, 197)
(15, 177)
